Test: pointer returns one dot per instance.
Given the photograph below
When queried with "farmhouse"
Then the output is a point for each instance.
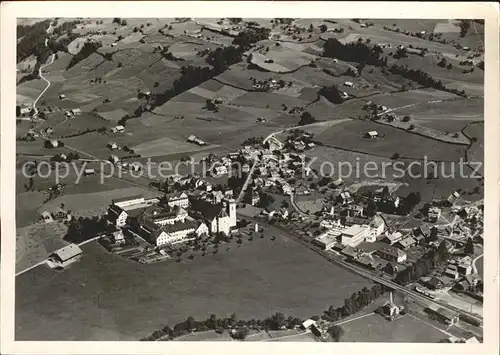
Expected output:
(193, 139)
(118, 129)
(371, 134)
(112, 145)
(62, 96)
(355, 234)
(76, 111)
(65, 256)
(53, 143)
(307, 323)
(349, 84)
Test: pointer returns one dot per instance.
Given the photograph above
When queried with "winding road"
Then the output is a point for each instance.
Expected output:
(52, 57)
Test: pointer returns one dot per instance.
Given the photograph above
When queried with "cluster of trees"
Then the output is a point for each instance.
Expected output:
(85, 131)
(275, 322)
(464, 27)
(87, 49)
(332, 94)
(119, 21)
(65, 27)
(423, 266)
(265, 199)
(251, 35)
(469, 247)
(423, 78)
(306, 118)
(33, 41)
(253, 140)
(443, 63)
(356, 302)
(358, 52)
(223, 58)
(84, 228)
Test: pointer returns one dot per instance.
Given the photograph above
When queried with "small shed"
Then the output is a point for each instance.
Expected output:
(89, 171)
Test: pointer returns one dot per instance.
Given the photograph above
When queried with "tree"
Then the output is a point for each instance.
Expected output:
(323, 28)
(18, 111)
(469, 247)
(306, 118)
(395, 156)
(241, 333)
(371, 209)
(464, 27)
(335, 332)
(442, 63)
(433, 234)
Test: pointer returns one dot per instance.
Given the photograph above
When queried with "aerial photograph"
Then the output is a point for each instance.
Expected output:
(249, 180)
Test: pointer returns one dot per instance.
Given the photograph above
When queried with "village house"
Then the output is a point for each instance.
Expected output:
(432, 283)
(406, 242)
(112, 145)
(345, 197)
(393, 238)
(117, 215)
(392, 254)
(434, 213)
(180, 199)
(377, 226)
(423, 231)
(118, 237)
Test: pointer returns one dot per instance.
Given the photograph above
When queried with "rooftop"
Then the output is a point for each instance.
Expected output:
(355, 229)
(68, 252)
